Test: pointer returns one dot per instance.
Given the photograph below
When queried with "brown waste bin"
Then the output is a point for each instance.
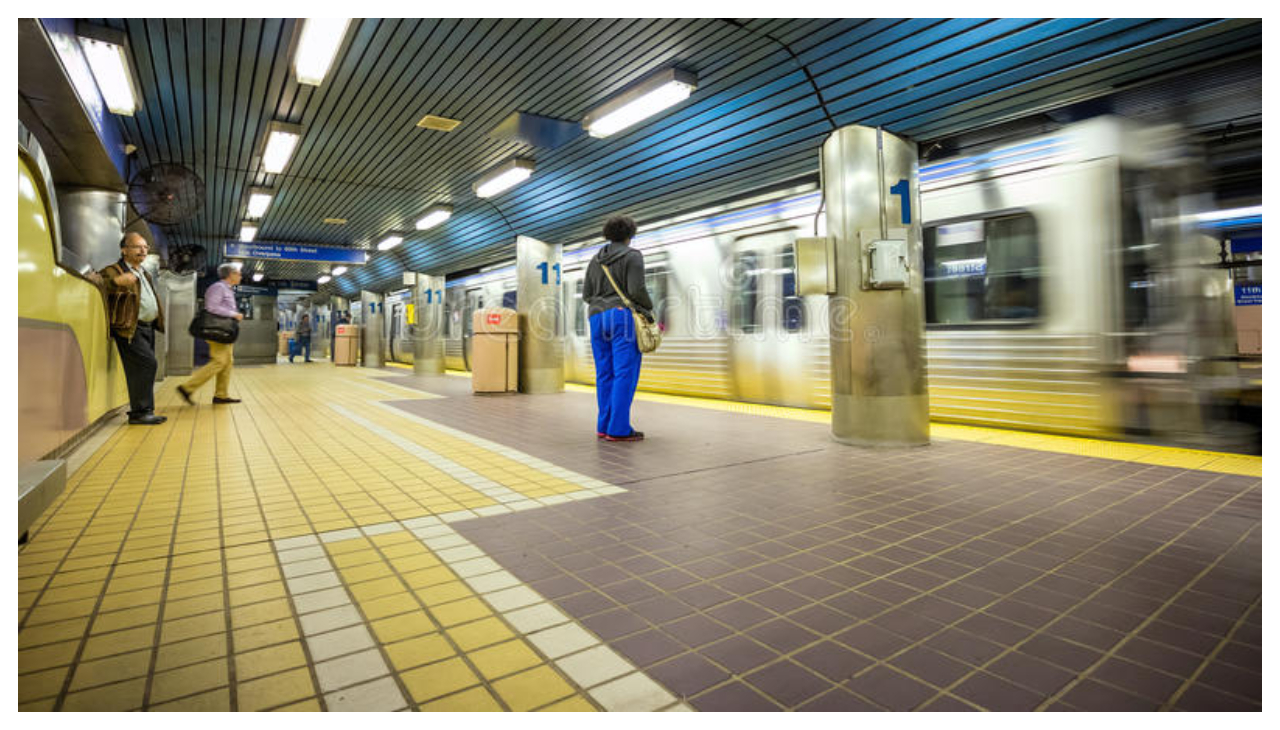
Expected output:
(495, 350)
(346, 344)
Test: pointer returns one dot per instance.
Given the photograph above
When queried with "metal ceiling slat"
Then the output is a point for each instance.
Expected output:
(957, 99)
(1159, 58)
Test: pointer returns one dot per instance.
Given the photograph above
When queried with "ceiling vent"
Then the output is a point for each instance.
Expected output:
(440, 124)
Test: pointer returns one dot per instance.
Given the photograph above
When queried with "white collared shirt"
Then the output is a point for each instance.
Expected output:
(148, 309)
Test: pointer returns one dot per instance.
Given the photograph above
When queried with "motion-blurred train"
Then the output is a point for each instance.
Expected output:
(1067, 290)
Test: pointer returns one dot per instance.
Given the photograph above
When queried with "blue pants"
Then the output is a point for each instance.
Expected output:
(613, 342)
(301, 344)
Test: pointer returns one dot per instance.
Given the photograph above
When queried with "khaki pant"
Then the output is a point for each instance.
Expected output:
(220, 362)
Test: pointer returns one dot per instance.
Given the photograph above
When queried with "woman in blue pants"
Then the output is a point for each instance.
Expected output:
(613, 330)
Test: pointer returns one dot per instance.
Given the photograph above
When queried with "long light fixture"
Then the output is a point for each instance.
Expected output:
(339, 271)
(317, 48)
(436, 215)
(282, 139)
(259, 201)
(503, 177)
(248, 231)
(648, 96)
(324, 279)
(106, 50)
(390, 242)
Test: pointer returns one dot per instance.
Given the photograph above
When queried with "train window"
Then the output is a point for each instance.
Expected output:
(509, 299)
(982, 270)
(746, 277)
(580, 309)
(655, 282)
(792, 303)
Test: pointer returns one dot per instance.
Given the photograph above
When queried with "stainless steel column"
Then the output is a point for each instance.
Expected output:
(538, 299)
(428, 325)
(879, 385)
(371, 329)
(179, 308)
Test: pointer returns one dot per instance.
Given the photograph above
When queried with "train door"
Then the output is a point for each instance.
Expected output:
(474, 300)
(396, 332)
(578, 362)
(767, 322)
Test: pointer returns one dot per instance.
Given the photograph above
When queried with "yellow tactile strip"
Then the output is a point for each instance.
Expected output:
(164, 578)
(1114, 450)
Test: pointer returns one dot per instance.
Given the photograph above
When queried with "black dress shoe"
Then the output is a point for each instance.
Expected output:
(148, 420)
(216, 399)
(186, 396)
(635, 436)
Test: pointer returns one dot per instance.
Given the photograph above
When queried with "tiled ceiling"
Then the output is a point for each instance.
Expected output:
(210, 87)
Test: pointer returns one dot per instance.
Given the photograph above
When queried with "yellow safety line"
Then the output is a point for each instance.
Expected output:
(1225, 463)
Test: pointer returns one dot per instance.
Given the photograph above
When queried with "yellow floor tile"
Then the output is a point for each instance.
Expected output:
(419, 650)
(218, 700)
(255, 594)
(573, 704)
(391, 605)
(52, 633)
(439, 679)
(191, 651)
(188, 680)
(260, 613)
(303, 706)
(39, 685)
(532, 689)
(194, 606)
(253, 577)
(267, 634)
(444, 593)
(118, 642)
(192, 626)
(395, 628)
(277, 689)
(503, 659)
(119, 697)
(128, 618)
(452, 614)
(270, 660)
(480, 633)
(112, 669)
(476, 699)
(428, 577)
(372, 589)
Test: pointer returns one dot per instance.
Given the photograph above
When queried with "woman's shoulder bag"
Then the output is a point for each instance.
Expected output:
(648, 336)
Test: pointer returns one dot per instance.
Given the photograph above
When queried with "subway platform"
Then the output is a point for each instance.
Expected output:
(352, 539)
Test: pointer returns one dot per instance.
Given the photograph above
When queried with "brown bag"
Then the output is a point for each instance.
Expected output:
(648, 336)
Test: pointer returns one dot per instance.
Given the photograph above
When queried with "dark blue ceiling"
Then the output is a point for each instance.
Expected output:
(210, 87)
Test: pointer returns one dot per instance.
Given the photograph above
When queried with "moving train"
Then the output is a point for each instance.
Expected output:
(1066, 289)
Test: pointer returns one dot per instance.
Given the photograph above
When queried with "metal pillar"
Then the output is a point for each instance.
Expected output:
(179, 306)
(879, 386)
(428, 325)
(371, 329)
(538, 299)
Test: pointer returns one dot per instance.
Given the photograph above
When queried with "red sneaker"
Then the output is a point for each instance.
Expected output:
(635, 436)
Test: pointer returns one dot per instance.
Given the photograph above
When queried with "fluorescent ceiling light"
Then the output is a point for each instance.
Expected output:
(643, 99)
(339, 271)
(323, 279)
(1221, 215)
(282, 138)
(436, 215)
(248, 231)
(317, 48)
(503, 177)
(106, 51)
(390, 242)
(259, 200)
(257, 276)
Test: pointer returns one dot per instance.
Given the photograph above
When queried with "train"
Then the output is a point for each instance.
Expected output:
(1067, 291)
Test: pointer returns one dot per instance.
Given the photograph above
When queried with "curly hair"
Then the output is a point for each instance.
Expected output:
(619, 228)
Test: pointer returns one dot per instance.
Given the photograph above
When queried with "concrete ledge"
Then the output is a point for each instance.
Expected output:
(39, 484)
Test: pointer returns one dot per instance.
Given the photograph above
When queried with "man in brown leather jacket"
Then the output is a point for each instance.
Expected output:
(136, 316)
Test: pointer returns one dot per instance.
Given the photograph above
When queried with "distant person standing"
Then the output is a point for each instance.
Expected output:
(219, 299)
(136, 317)
(302, 333)
(613, 329)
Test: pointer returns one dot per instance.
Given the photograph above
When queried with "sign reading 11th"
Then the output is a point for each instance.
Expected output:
(545, 273)
(439, 296)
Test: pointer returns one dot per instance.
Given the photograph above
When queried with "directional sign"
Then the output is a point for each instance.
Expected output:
(295, 252)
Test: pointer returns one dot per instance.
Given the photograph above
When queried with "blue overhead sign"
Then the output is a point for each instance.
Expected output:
(295, 252)
(1249, 296)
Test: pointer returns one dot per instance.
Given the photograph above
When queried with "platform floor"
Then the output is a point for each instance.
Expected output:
(352, 539)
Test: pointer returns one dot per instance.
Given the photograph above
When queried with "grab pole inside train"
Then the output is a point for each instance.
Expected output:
(879, 386)
(428, 325)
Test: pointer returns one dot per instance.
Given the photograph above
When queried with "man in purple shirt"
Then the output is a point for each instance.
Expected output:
(218, 299)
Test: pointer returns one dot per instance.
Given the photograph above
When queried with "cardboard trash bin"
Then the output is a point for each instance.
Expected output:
(346, 344)
(495, 350)
(284, 342)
